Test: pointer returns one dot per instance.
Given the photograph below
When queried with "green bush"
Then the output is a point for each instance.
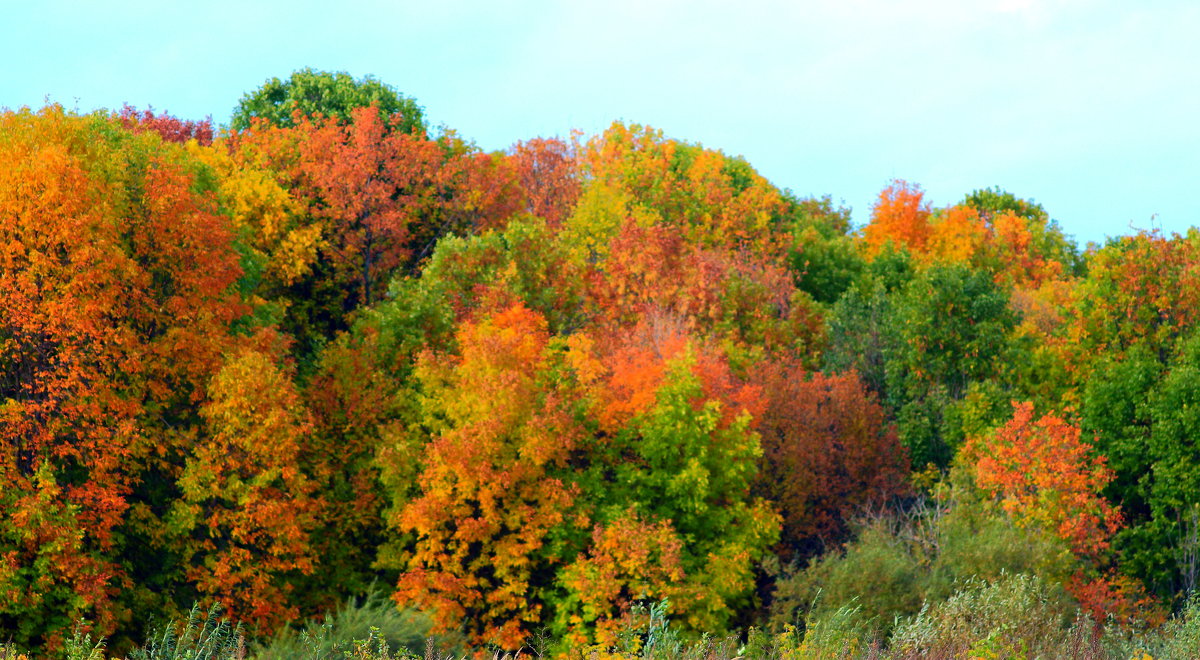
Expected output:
(1014, 616)
(203, 636)
(896, 563)
(372, 617)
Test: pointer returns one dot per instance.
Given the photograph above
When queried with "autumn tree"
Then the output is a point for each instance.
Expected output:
(549, 173)
(715, 200)
(828, 454)
(366, 203)
(370, 187)
(117, 278)
(676, 446)
(246, 506)
(170, 128)
(738, 296)
(487, 523)
(1043, 473)
(900, 215)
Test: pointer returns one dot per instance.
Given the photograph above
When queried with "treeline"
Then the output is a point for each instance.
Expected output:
(325, 348)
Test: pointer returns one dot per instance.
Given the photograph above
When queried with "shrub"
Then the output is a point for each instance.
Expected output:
(371, 617)
(1013, 616)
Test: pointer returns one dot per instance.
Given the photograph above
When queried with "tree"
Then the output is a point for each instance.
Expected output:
(171, 129)
(953, 328)
(312, 94)
(116, 276)
(824, 259)
(714, 200)
(246, 507)
(1042, 473)
(828, 455)
(901, 216)
(493, 493)
(675, 444)
(549, 172)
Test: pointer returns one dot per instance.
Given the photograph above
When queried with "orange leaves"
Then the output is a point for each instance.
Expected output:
(372, 186)
(1016, 249)
(490, 491)
(1041, 472)
(630, 560)
(116, 278)
(1115, 597)
(900, 215)
(637, 367)
(654, 273)
(246, 505)
(499, 356)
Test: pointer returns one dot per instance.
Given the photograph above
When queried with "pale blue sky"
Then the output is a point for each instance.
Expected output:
(1091, 108)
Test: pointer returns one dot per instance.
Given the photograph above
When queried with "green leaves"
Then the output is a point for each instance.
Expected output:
(311, 93)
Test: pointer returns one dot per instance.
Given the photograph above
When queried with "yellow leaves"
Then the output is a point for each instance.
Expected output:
(242, 489)
(957, 234)
(630, 559)
(596, 220)
(713, 200)
(263, 212)
(490, 494)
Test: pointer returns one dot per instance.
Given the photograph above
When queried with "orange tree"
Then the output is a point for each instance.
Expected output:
(540, 449)
(118, 279)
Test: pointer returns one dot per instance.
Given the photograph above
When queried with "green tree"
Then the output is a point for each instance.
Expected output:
(329, 94)
(953, 325)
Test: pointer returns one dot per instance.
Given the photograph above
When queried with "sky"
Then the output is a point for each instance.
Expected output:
(1090, 108)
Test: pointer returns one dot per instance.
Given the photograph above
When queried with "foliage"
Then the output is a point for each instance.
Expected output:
(308, 93)
(491, 499)
(245, 505)
(549, 173)
(1043, 474)
(896, 564)
(828, 455)
(1012, 616)
(953, 327)
(202, 636)
(116, 278)
(536, 390)
(372, 616)
(899, 216)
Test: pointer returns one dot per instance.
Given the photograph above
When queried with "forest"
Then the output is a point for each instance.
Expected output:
(329, 378)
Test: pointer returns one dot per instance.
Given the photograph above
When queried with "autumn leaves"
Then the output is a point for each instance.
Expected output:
(526, 390)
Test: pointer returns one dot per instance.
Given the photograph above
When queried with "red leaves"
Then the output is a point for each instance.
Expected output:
(171, 129)
(828, 453)
(549, 172)
(1041, 472)
(372, 186)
